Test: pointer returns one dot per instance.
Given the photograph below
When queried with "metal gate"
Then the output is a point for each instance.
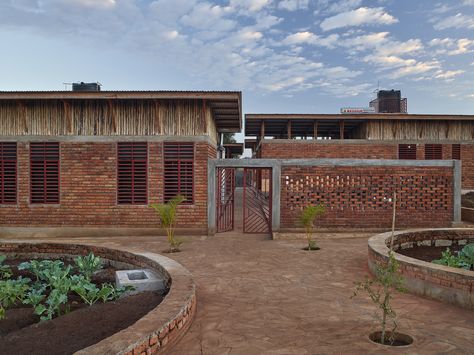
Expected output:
(257, 200)
(225, 199)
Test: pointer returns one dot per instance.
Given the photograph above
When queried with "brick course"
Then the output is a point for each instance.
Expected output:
(88, 190)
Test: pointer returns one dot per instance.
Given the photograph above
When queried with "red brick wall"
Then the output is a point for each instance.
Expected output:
(88, 190)
(359, 196)
(467, 161)
(296, 150)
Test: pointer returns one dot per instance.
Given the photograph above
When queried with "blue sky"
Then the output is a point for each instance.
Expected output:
(287, 56)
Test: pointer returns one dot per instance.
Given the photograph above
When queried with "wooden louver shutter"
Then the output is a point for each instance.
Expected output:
(8, 173)
(433, 151)
(44, 172)
(407, 151)
(132, 173)
(456, 152)
(179, 171)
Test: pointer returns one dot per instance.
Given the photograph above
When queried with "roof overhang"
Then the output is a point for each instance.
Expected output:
(226, 106)
(234, 148)
(300, 123)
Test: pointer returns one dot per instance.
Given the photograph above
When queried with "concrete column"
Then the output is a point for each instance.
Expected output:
(276, 190)
(211, 197)
(457, 180)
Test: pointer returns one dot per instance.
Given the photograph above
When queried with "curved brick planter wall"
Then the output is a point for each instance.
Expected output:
(423, 278)
(158, 330)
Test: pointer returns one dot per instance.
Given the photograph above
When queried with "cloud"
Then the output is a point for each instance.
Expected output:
(449, 74)
(389, 61)
(451, 46)
(359, 17)
(250, 5)
(456, 21)
(293, 5)
(414, 69)
(300, 37)
(343, 6)
(399, 48)
(95, 3)
(207, 16)
(310, 38)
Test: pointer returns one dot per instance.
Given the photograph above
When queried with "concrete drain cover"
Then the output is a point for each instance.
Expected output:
(142, 280)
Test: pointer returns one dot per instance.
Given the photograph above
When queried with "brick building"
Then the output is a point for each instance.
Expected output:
(96, 158)
(365, 136)
(72, 162)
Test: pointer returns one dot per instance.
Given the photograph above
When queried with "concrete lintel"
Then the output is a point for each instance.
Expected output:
(101, 139)
(366, 162)
(364, 141)
(457, 181)
(246, 163)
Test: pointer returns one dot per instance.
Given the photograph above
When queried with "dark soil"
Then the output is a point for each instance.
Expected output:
(79, 329)
(467, 200)
(427, 253)
(312, 249)
(80, 325)
(400, 339)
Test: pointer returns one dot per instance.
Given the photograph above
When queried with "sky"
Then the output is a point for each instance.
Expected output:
(286, 56)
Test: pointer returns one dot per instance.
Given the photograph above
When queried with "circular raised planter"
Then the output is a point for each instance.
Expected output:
(423, 278)
(160, 328)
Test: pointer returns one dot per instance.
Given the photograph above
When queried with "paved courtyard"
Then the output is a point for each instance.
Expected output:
(258, 296)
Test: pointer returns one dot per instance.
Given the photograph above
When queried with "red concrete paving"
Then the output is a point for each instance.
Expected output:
(258, 296)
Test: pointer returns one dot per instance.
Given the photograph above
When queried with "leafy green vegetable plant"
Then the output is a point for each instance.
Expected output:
(12, 292)
(167, 213)
(5, 271)
(306, 219)
(48, 295)
(88, 264)
(53, 305)
(464, 259)
(34, 297)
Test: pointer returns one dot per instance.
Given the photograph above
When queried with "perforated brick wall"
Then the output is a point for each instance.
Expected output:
(361, 196)
(88, 179)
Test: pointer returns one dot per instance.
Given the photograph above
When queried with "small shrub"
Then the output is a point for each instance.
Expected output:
(88, 264)
(307, 218)
(380, 291)
(167, 213)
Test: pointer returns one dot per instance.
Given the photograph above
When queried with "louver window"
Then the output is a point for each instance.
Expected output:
(407, 151)
(8, 184)
(456, 153)
(132, 176)
(179, 171)
(433, 151)
(44, 172)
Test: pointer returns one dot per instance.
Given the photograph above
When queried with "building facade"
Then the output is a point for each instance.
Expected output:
(99, 158)
(365, 136)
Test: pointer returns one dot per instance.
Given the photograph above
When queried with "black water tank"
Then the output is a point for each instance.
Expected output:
(389, 101)
(85, 86)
